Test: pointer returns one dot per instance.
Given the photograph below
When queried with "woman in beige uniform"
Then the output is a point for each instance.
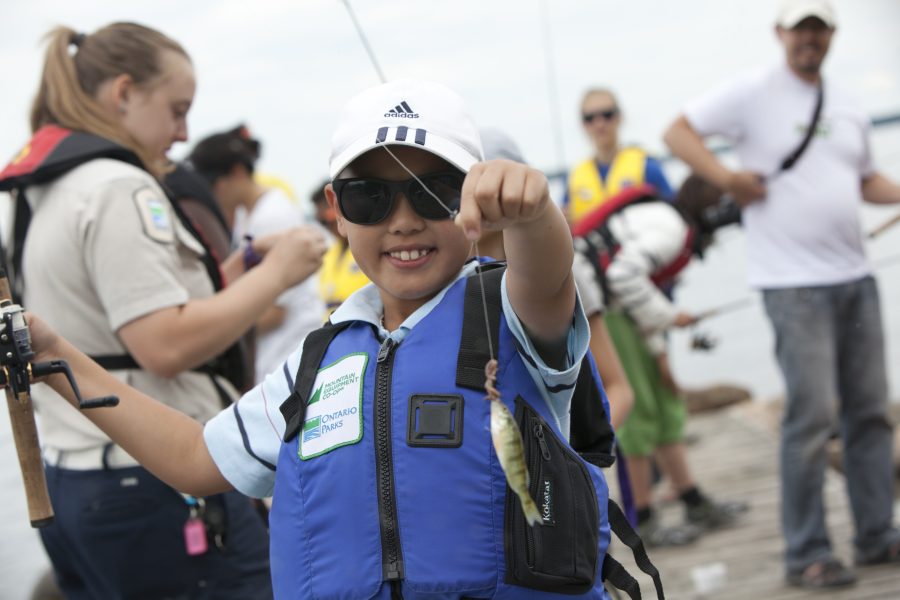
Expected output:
(117, 269)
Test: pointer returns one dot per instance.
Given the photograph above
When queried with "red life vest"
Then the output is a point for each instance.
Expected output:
(601, 244)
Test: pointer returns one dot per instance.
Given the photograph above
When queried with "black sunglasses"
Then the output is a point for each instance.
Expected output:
(367, 201)
(607, 115)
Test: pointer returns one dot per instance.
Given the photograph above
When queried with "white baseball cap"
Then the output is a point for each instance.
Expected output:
(791, 12)
(406, 112)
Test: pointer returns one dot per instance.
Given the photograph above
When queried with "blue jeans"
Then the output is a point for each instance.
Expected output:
(118, 535)
(830, 347)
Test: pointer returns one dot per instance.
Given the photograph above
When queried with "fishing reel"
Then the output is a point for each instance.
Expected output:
(702, 341)
(16, 369)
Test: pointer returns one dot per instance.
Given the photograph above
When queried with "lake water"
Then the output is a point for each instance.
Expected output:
(742, 356)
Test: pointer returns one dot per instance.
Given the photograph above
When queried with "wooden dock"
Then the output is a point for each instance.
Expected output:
(736, 457)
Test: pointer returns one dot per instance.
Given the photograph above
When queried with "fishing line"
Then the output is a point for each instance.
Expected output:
(450, 212)
(365, 41)
(552, 90)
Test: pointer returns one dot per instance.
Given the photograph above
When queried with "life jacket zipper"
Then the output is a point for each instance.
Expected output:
(539, 434)
(391, 554)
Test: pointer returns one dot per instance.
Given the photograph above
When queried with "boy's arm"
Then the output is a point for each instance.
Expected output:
(505, 195)
(166, 442)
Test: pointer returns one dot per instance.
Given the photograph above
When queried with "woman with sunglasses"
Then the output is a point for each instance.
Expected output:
(114, 266)
(612, 168)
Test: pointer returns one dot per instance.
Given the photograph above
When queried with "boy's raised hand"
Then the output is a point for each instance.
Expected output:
(497, 194)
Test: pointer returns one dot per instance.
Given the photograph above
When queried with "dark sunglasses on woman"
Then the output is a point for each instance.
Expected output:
(367, 201)
(607, 115)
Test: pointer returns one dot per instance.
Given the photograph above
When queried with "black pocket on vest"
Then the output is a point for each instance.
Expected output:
(561, 554)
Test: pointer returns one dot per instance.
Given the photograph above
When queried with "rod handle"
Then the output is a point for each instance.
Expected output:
(28, 449)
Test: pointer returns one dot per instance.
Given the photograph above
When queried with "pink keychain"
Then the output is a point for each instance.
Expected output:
(195, 536)
(195, 541)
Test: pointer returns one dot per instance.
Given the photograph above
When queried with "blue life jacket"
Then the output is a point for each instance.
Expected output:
(412, 503)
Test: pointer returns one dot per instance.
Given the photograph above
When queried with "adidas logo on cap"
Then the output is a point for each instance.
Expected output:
(402, 110)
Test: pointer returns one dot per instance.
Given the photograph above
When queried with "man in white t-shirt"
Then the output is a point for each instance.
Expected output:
(805, 253)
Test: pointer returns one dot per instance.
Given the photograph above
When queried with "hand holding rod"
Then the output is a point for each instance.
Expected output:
(16, 374)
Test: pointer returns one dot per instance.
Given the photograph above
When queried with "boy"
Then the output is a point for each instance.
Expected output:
(386, 485)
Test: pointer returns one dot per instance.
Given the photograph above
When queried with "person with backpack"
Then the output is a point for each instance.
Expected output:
(114, 265)
(374, 436)
(805, 166)
(227, 160)
(633, 244)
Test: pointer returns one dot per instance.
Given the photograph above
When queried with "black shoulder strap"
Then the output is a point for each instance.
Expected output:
(21, 221)
(294, 408)
(794, 156)
(614, 572)
(474, 350)
(591, 246)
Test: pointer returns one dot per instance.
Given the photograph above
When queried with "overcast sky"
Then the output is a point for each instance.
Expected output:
(285, 66)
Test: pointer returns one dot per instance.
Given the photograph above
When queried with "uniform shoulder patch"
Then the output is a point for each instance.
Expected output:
(156, 215)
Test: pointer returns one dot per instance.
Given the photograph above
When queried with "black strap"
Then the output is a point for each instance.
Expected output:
(474, 350)
(294, 408)
(21, 221)
(619, 524)
(116, 362)
(231, 364)
(615, 574)
(792, 158)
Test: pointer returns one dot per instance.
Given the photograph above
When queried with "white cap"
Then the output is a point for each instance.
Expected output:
(406, 112)
(791, 12)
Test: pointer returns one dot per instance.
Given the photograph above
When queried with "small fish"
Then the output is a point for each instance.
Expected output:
(507, 440)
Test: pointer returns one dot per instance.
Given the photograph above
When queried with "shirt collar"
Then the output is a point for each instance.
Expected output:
(365, 305)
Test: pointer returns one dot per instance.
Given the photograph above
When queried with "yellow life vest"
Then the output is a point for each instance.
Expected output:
(587, 190)
(339, 276)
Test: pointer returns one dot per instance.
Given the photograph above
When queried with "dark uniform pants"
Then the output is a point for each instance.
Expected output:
(119, 534)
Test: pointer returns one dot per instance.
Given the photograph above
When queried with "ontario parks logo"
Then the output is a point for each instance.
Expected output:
(312, 429)
(334, 409)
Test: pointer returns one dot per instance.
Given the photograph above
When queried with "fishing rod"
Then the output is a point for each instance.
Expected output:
(884, 227)
(364, 40)
(723, 309)
(552, 87)
(17, 373)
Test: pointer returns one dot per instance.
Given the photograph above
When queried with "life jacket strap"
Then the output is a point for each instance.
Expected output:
(619, 524)
(293, 409)
(474, 349)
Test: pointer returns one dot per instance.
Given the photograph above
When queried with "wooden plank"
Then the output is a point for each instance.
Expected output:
(735, 456)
